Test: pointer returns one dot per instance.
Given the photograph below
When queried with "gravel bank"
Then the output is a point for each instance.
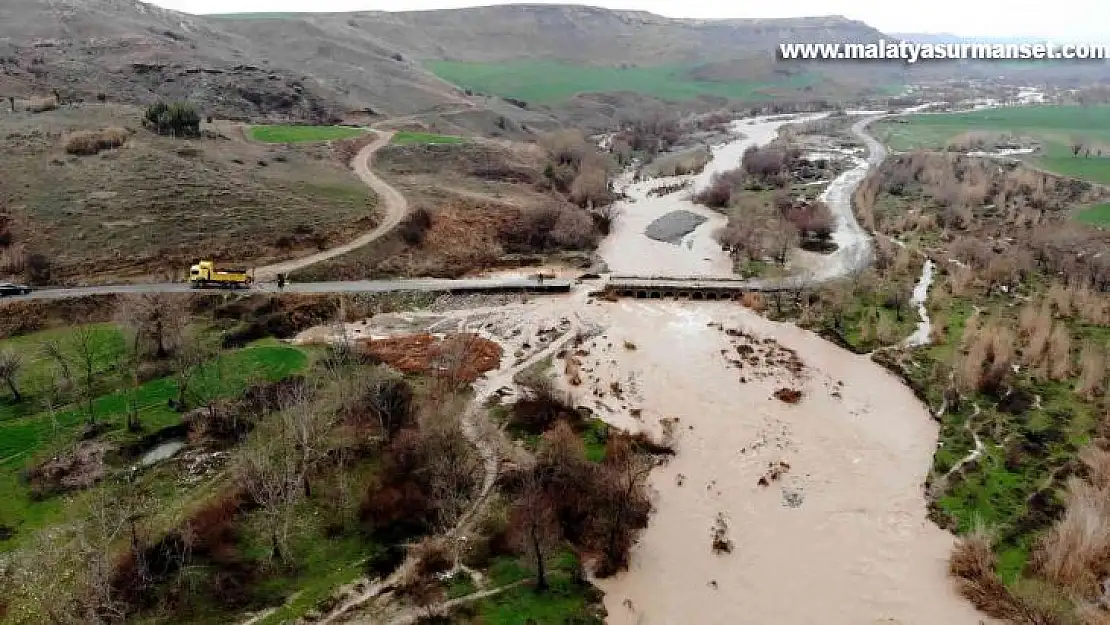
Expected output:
(674, 226)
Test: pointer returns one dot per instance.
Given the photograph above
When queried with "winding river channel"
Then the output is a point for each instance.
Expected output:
(839, 534)
(819, 499)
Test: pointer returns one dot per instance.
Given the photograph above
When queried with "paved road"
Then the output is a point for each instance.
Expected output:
(427, 285)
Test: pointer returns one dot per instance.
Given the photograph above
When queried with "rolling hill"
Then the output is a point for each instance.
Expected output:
(331, 66)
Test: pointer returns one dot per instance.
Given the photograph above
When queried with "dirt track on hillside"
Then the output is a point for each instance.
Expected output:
(394, 204)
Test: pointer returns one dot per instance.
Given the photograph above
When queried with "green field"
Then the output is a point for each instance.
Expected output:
(1055, 127)
(549, 82)
(405, 137)
(302, 134)
(1096, 215)
(28, 429)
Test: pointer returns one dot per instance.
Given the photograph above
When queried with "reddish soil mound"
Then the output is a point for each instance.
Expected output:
(788, 395)
(463, 357)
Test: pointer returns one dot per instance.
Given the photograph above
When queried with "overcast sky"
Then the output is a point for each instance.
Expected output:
(1059, 19)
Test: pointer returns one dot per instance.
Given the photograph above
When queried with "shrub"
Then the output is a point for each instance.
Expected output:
(591, 186)
(718, 194)
(175, 118)
(540, 406)
(988, 362)
(972, 564)
(530, 233)
(573, 230)
(415, 226)
(813, 220)
(37, 269)
(89, 143)
(769, 164)
(1092, 377)
(1076, 551)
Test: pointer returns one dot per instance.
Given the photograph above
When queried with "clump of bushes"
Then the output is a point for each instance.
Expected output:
(550, 228)
(178, 119)
(576, 168)
(415, 227)
(91, 142)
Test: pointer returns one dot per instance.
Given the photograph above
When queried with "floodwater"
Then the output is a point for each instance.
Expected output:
(923, 334)
(165, 451)
(841, 538)
(628, 252)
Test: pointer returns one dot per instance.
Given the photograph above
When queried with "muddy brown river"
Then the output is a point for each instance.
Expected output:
(820, 498)
(840, 537)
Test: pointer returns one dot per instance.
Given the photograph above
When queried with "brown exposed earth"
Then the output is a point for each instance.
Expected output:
(462, 357)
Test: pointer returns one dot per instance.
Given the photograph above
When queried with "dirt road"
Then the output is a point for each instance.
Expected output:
(393, 203)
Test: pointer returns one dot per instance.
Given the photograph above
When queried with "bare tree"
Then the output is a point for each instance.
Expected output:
(269, 469)
(189, 359)
(65, 577)
(624, 478)
(85, 346)
(54, 352)
(155, 322)
(533, 525)
(11, 362)
(452, 362)
(307, 427)
(453, 468)
(389, 398)
(781, 238)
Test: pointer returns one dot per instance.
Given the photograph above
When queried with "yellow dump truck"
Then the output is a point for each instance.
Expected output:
(205, 274)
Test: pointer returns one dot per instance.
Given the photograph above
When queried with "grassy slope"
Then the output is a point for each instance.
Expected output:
(1055, 126)
(406, 137)
(564, 602)
(159, 202)
(1022, 452)
(36, 375)
(550, 82)
(1098, 215)
(301, 134)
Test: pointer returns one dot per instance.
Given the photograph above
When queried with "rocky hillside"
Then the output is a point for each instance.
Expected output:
(132, 52)
(331, 66)
(579, 34)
